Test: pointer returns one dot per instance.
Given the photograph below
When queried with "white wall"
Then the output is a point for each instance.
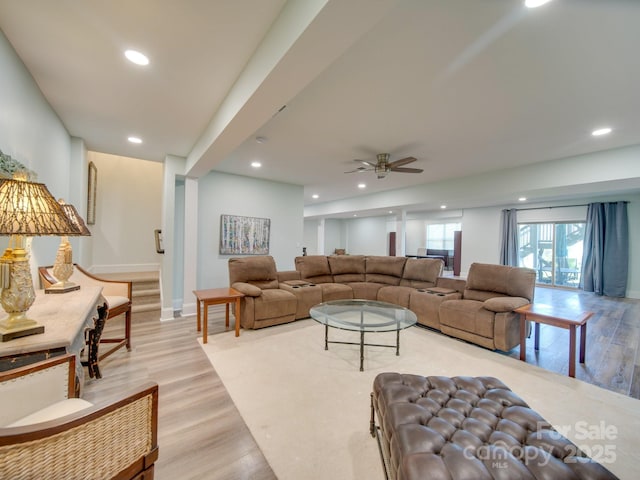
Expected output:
(32, 133)
(220, 193)
(334, 235)
(128, 210)
(367, 236)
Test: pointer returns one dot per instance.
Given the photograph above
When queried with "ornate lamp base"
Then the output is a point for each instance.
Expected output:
(18, 325)
(18, 295)
(63, 269)
(62, 287)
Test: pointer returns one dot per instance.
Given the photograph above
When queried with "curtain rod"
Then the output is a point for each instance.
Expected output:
(563, 206)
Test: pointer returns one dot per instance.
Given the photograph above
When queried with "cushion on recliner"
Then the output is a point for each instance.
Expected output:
(468, 315)
(314, 268)
(501, 280)
(259, 271)
(421, 272)
(387, 270)
(347, 268)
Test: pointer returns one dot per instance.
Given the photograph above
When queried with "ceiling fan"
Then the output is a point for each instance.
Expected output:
(383, 167)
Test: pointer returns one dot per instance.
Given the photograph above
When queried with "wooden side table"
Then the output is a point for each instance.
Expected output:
(217, 296)
(557, 317)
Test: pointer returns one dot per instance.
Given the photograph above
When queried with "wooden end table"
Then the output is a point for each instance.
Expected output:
(217, 296)
(557, 317)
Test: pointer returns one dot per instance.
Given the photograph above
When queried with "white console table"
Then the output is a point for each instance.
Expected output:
(65, 317)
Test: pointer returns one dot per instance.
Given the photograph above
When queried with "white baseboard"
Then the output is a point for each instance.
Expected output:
(189, 309)
(166, 314)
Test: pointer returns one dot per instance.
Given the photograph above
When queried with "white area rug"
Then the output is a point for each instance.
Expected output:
(308, 408)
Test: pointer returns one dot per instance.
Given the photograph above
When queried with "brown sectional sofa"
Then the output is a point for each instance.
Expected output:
(477, 310)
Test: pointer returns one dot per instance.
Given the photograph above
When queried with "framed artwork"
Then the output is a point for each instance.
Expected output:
(244, 235)
(91, 195)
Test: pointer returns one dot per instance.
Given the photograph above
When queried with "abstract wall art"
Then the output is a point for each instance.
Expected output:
(244, 235)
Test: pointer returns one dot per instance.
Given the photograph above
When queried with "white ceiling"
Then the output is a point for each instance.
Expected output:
(465, 86)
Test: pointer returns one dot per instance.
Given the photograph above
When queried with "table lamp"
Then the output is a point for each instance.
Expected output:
(26, 209)
(63, 266)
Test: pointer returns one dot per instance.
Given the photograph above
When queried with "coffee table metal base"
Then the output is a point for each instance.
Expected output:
(362, 344)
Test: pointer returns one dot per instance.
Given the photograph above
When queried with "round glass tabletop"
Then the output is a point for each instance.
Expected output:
(363, 315)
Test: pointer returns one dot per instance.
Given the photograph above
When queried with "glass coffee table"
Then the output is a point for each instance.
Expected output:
(363, 316)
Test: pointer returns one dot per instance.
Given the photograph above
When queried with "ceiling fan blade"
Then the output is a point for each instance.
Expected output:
(368, 164)
(360, 169)
(402, 161)
(406, 170)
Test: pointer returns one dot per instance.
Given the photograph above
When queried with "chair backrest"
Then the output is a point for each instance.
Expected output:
(30, 388)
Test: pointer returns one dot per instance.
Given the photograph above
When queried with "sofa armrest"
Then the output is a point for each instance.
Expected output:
(504, 304)
(288, 275)
(248, 289)
(456, 284)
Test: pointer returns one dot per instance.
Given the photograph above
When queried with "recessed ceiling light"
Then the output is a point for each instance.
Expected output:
(315, 195)
(355, 214)
(522, 199)
(256, 164)
(443, 206)
(601, 131)
(134, 140)
(535, 3)
(136, 57)
(362, 185)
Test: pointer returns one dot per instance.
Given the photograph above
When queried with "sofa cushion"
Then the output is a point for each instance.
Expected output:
(397, 295)
(387, 270)
(500, 280)
(51, 412)
(365, 290)
(275, 303)
(421, 272)
(335, 291)
(314, 268)
(347, 268)
(504, 304)
(259, 271)
(467, 315)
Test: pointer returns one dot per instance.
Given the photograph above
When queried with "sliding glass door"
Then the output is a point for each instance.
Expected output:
(554, 250)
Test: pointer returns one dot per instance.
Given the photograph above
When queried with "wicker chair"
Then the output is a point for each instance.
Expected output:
(46, 433)
(117, 294)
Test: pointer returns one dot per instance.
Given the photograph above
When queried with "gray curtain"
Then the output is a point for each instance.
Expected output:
(605, 260)
(509, 244)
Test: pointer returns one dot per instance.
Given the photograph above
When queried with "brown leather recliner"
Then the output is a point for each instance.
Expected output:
(485, 314)
(264, 303)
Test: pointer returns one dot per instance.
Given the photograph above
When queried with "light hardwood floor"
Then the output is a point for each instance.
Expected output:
(202, 435)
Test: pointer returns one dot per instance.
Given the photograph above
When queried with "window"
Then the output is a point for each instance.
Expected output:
(440, 236)
(554, 250)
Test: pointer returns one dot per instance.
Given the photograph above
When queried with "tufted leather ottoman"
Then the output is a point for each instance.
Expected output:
(472, 428)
